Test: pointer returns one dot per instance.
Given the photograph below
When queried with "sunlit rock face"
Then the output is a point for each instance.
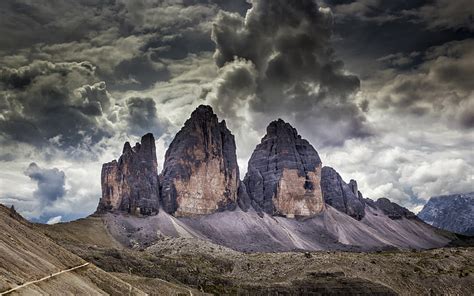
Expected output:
(340, 195)
(284, 173)
(200, 174)
(131, 183)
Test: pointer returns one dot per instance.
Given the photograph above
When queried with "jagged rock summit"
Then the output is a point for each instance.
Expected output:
(453, 212)
(284, 173)
(340, 195)
(131, 183)
(200, 173)
(201, 176)
(199, 193)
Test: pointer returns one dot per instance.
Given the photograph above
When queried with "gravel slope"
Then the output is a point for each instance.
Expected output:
(248, 232)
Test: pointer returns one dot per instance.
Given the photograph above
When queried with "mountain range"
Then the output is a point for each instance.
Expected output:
(197, 228)
(453, 213)
(286, 201)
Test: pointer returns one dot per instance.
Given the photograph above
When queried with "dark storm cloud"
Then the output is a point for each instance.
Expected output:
(50, 183)
(368, 30)
(142, 117)
(25, 23)
(285, 45)
(126, 40)
(139, 73)
(445, 14)
(45, 102)
(441, 84)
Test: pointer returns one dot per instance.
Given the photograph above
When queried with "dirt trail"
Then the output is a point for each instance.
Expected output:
(176, 286)
(44, 278)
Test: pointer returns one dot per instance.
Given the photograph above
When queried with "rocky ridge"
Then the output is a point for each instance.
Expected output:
(340, 195)
(450, 212)
(201, 176)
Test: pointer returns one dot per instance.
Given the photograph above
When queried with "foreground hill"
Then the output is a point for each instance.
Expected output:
(454, 213)
(205, 266)
(26, 255)
(33, 264)
(250, 232)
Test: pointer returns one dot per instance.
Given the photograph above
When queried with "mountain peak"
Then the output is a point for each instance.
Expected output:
(200, 174)
(450, 212)
(131, 184)
(285, 173)
(279, 128)
(203, 112)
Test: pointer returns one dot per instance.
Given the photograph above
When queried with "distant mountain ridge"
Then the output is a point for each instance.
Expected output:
(454, 212)
(286, 201)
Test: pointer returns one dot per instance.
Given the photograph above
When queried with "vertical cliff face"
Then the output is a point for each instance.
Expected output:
(284, 173)
(131, 183)
(340, 195)
(200, 174)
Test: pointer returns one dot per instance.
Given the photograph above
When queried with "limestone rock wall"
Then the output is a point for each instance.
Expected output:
(340, 195)
(131, 183)
(284, 173)
(200, 174)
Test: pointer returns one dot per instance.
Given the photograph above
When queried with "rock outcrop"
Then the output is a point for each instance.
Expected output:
(284, 173)
(391, 209)
(344, 197)
(131, 183)
(200, 174)
(453, 212)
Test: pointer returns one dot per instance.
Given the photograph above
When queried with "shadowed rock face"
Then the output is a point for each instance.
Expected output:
(131, 184)
(391, 209)
(453, 212)
(284, 173)
(200, 174)
(340, 195)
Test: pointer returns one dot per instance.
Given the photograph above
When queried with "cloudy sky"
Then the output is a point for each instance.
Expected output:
(384, 90)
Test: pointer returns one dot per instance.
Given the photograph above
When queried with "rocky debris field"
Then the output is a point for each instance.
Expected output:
(205, 267)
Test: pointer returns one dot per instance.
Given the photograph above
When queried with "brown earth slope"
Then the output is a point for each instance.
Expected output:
(196, 265)
(27, 255)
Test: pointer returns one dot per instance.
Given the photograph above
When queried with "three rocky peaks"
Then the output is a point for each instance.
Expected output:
(201, 176)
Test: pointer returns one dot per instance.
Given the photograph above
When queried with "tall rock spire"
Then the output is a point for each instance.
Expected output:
(284, 173)
(131, 183)
(200, 174)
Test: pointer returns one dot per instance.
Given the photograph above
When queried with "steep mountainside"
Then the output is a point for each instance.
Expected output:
(27, 255)
(200, 174)
(249, 232)
(287, 201)
(454, 213)
(176, 254)
(284, 173)
(131, 184)
(342, 196)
